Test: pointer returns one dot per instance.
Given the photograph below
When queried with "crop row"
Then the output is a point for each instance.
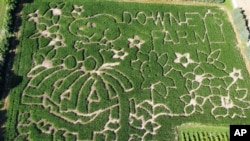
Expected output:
(204, 136)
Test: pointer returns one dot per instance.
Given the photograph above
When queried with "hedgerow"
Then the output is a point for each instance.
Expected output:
(6, 34)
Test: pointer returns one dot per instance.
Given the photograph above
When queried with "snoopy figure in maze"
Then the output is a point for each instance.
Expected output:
(102, 101)
(99, 29)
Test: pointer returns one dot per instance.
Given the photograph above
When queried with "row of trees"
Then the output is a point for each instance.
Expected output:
(6, 34)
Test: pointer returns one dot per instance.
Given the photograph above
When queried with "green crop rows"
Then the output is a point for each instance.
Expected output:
(102, 70)
(198, 132)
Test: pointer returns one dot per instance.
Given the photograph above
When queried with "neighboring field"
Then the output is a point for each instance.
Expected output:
(124, 71)
(203, 133)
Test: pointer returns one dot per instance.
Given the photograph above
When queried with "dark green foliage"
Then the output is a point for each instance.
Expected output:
(6, 32)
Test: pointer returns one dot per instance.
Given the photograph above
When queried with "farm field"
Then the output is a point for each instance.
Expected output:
(103, 70)
(202, 133)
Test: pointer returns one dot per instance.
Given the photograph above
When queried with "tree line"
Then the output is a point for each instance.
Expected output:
(5, 34)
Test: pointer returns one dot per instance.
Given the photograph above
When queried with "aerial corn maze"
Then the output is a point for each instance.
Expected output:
(105, 70)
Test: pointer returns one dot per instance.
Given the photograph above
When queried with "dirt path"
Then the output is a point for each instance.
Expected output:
(5, 103)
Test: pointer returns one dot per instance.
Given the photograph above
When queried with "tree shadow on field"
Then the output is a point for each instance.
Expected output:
(14, 81)
(10, 80)
(2, 120)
